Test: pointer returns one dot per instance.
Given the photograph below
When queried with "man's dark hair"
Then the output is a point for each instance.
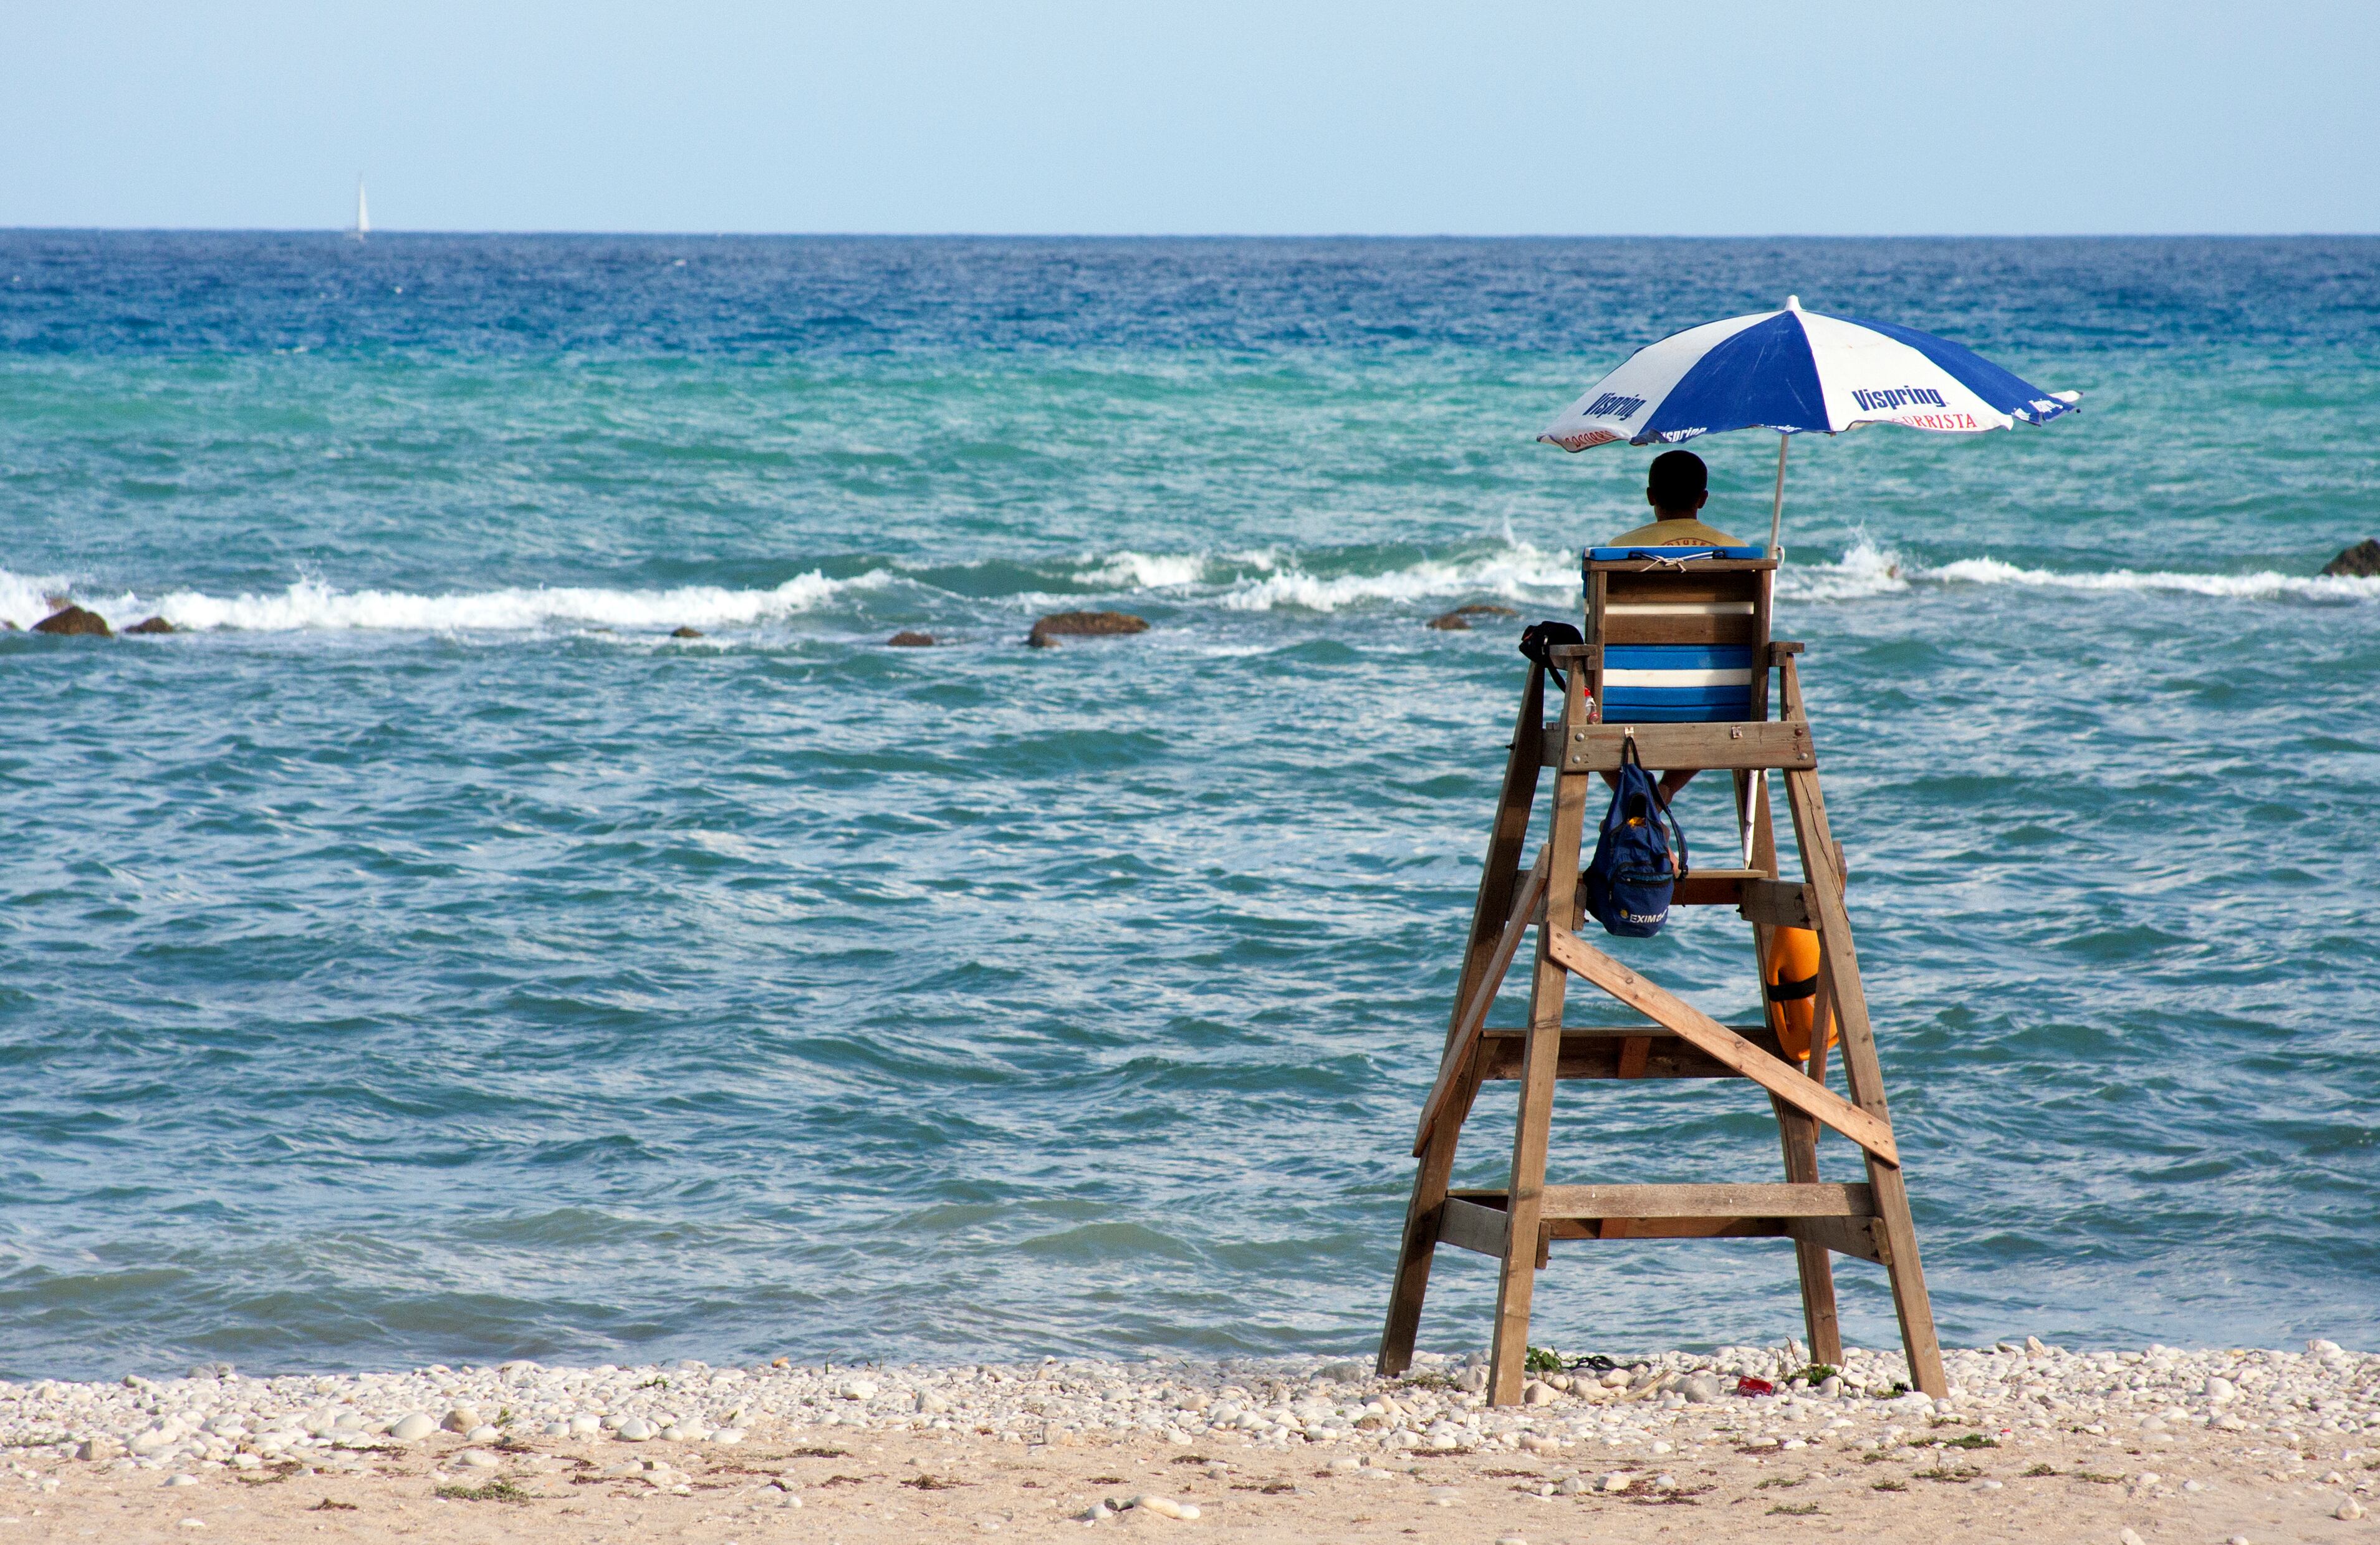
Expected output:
(1677, 480)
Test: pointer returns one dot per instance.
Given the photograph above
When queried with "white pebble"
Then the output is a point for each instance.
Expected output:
(635, 1430)
(585, 1427)
(412, 1429)
(477, 1459)
(194, 1523)
(181, 1480)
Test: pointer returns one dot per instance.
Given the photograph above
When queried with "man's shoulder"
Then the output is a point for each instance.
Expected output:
(1674, 533)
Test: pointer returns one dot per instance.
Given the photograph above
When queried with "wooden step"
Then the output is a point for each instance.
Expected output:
(1669, 748)
(1764, 897)
(1836, 1216)
(1620, 1052)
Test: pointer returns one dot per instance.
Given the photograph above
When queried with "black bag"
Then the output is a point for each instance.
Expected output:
(1537, 639)
(1635, 868)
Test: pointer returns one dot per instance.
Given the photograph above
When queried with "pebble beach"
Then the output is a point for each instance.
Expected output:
(2266, 1444)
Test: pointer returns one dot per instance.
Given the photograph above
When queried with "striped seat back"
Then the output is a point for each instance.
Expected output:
(1681, 636)
(1670, 684)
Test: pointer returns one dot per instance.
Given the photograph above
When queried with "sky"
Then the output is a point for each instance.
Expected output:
(1385, 118)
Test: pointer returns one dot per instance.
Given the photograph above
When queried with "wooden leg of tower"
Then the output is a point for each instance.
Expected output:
(1819, 1315)
(1797, 1133)
(1540, 1061)
(1506, 840)
(1411, 1284)
(1839, 971)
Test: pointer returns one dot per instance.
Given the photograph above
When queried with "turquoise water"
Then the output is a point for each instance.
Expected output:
(424, 958)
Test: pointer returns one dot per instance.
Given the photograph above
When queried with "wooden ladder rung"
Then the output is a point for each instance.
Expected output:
(1763, 1198)
(1836, 1216)
(1769, 899)
(1620, 1052)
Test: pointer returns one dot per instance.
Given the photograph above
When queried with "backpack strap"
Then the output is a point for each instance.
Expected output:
(1631, 756)
(1676, 832)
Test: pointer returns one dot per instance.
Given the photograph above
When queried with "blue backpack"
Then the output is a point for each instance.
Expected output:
(1634, 868)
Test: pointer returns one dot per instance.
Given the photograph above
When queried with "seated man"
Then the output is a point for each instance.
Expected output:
(1677, 486)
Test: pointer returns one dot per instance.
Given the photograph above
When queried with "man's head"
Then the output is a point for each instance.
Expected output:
(1678, 485)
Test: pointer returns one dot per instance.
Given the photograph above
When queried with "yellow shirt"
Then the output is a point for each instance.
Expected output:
(1685, 532)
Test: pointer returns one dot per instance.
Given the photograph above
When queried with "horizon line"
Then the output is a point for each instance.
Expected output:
(348, 231)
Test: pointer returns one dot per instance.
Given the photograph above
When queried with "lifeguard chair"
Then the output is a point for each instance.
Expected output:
(1677, 658)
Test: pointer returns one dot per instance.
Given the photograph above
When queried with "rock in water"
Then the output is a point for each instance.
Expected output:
(907, 638)
(685, 633)
(1082, 625)
(73, 619)
(153, 625)
(2358, 562)
(1459, 620)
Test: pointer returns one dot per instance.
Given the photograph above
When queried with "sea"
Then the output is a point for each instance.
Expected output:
(425, 955)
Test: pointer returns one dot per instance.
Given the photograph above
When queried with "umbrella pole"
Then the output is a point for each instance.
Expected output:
(1776, 510)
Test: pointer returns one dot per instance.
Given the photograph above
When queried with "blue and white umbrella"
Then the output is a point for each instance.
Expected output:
(1799, 373)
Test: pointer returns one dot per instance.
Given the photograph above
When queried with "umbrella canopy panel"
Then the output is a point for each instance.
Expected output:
(1795, 371)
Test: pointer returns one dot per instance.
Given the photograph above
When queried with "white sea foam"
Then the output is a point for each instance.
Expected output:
(1257, 581)
(25, 599)
(1145, 571)
(2263, 585)
(1520, 572)
(310, 603)
(1867, 569)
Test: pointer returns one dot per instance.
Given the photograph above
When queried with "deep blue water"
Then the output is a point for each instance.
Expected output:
(424, 958)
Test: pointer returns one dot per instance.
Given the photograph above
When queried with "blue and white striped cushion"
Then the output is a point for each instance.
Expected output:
(1674, 684)
(1626, 555)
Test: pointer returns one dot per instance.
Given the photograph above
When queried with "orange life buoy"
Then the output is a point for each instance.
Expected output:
(1794, 990)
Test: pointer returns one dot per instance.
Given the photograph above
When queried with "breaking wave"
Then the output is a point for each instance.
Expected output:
(2263, 585)
(309, 603)
(1867, 569)
(1250, 582)
(1519, 572)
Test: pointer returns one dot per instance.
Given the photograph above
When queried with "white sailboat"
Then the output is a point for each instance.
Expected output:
(363, 214)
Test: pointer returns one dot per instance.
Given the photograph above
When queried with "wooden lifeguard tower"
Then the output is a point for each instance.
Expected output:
(1677, 657)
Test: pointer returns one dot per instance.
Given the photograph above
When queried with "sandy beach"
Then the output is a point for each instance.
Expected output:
(2034, 1442)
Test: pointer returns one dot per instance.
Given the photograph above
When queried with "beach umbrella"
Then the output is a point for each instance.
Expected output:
(1799, 373)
